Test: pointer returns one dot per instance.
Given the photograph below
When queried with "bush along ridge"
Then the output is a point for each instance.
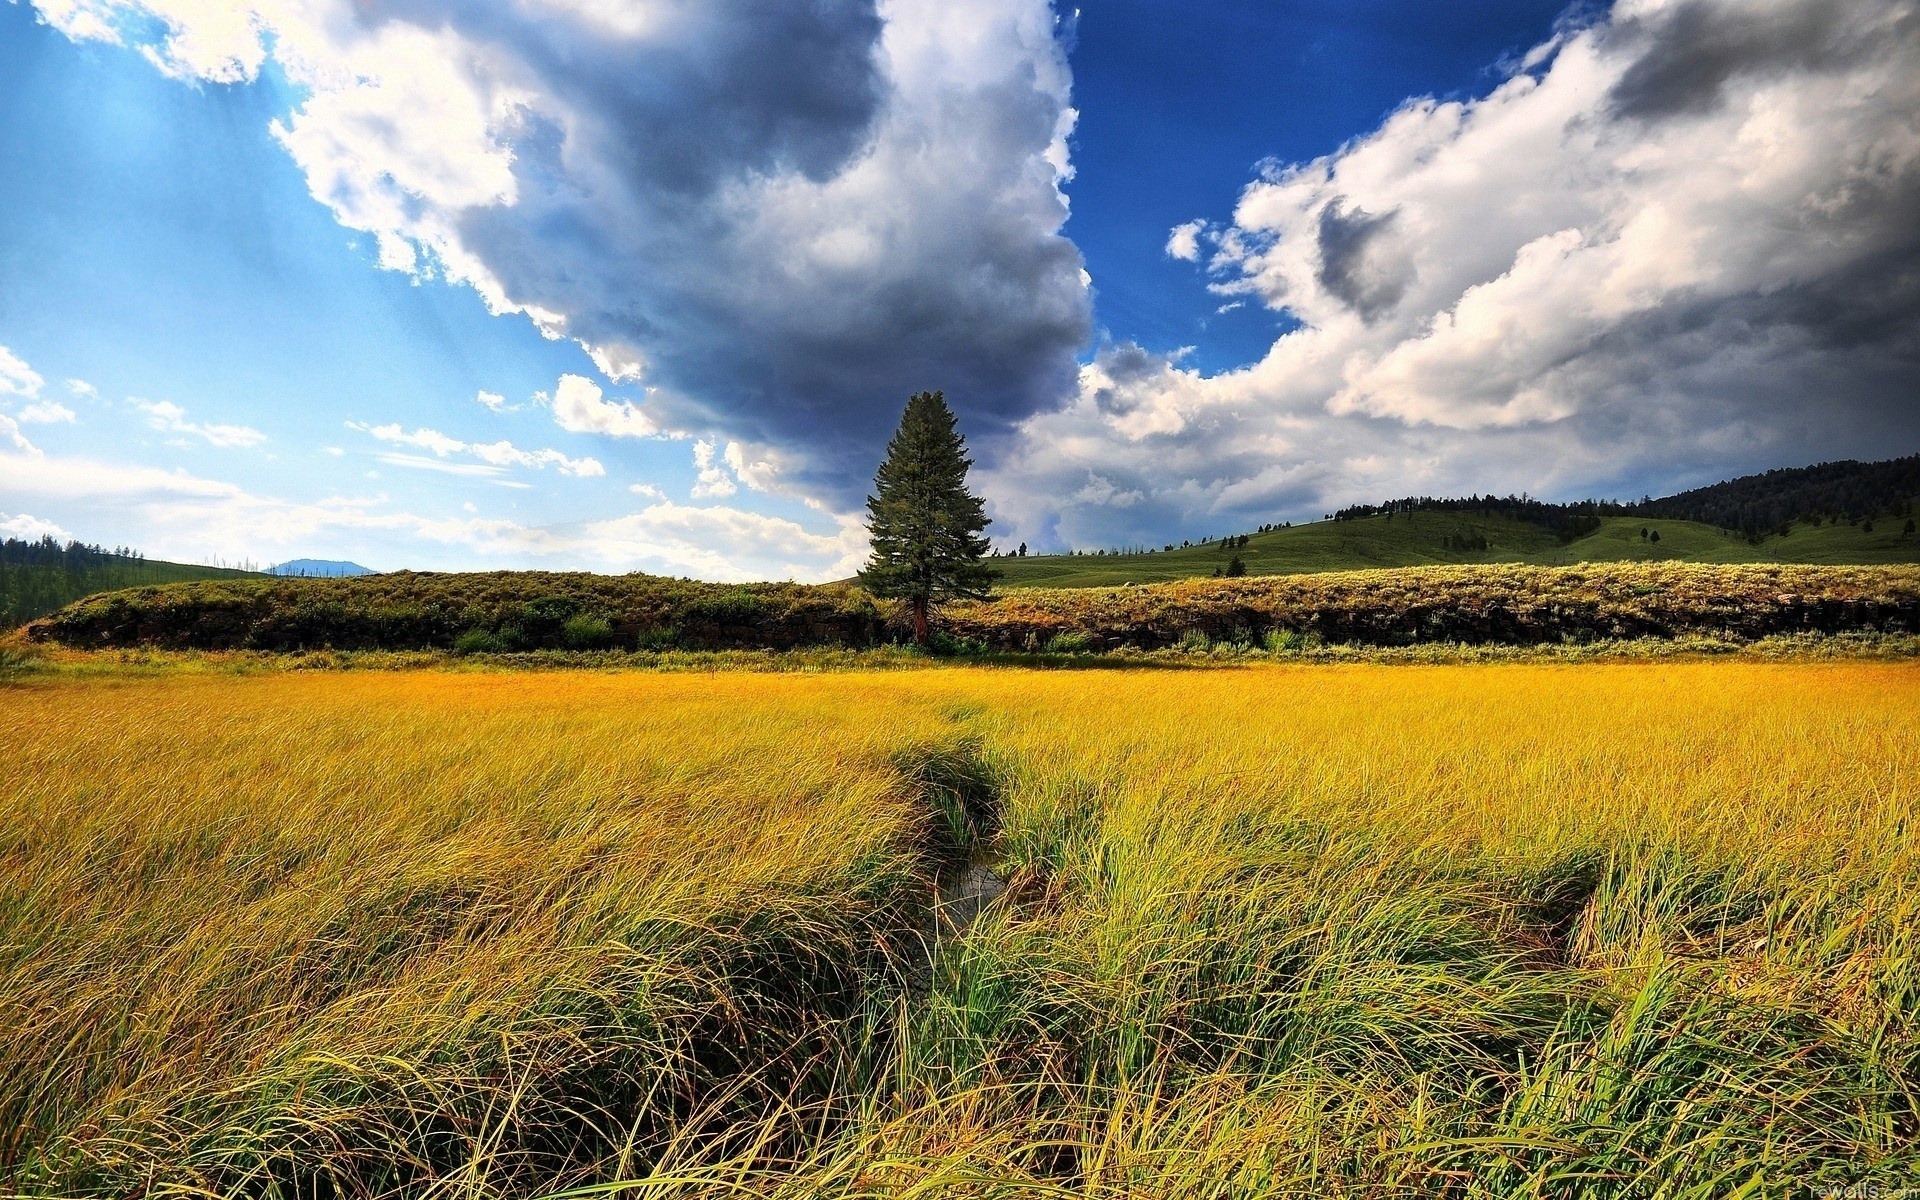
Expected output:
(1476, 605)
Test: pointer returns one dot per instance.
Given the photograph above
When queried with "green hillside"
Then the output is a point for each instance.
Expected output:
(30, 589)
(1424, 538)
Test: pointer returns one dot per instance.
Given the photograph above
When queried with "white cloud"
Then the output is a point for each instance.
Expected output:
(416, 462)
(83, 389)
(756, 466)
(713, 480)
(46, 412)
(618, 361)
(505, 454)
(425, 439)
(718, 542)
(579, 406)
(31, 528)
(1184, 242)
(171, 418)
(16, 377)
(494, 401)
(184, 517)
(1679, 246)
(10, 435)
(647, 490)
(496, 455)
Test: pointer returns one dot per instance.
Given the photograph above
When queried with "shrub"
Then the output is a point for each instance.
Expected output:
(475, 641)
(946, 645)
(1282, 641)
(587, 632)
(1073, 641)
(1196, 641)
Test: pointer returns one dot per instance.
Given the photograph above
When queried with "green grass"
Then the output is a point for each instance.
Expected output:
(1419, 539)
(27, 592)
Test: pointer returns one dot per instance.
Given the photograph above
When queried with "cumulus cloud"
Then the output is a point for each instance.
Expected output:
(713, 479)
(1184, 242)
(169, 417)
(580, 406)
(785, 218)
(83, 389)
(31, 528)
(494, 401)
(495, 457)
(1675, 244)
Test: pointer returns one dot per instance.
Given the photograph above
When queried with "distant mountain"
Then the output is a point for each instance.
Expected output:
(319, 568)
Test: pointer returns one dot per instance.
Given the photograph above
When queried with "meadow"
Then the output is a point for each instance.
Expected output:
(1520, 930)
(1416, 539)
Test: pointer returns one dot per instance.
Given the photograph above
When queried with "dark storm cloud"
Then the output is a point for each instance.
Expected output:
(793, 239)
(1356, 261)
(778, 219)
(1689, 52)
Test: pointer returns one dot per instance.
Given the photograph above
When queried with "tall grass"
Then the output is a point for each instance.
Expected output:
(1504, 930)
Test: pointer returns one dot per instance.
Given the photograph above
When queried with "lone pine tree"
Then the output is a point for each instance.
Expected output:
(924, 523)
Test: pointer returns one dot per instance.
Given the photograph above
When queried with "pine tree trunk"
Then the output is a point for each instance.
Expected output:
(920, 630)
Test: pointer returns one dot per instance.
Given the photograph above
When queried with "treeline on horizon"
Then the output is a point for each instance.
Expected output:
(49, 551)
(1754, 506)
(40, 575)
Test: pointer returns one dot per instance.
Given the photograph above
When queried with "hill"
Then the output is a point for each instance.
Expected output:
(1411, 539)
(39, 577)
(1769, 503)
(318, 568)
(1835, 513)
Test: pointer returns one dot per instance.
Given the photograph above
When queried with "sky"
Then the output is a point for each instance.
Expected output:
(643, 284)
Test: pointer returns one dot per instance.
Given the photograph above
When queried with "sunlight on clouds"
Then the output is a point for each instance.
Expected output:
(713, 480)
(579, 406)
(670, 186)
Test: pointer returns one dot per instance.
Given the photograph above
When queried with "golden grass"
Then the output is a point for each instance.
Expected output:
(1508, 930)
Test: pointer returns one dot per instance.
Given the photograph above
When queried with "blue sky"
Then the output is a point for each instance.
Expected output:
(645, 290)
(1217, 88)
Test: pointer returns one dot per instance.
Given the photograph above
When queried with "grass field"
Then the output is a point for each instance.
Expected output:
(1521, 930)
(1420, 539)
